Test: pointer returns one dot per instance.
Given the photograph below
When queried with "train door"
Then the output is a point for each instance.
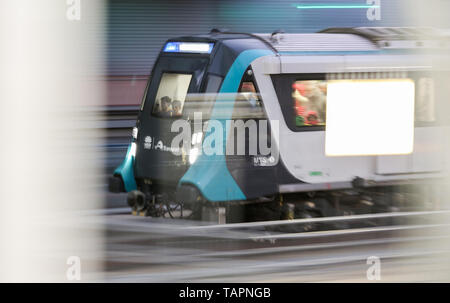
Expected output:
(251, 158)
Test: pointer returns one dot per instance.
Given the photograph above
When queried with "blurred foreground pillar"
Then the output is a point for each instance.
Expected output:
(435, 13)
(51, 56)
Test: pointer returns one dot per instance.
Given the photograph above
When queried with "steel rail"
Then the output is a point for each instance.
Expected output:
(316, 220)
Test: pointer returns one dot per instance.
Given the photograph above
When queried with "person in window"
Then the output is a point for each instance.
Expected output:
(249, 93)
(165, 107)
(176, 108)
(316, 99)
(311, 118)
(157, 108)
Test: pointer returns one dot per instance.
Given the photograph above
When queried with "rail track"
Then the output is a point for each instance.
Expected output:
(161, 250)
(413, 246)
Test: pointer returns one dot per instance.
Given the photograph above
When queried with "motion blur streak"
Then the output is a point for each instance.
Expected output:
(425, 15)
(49, 169)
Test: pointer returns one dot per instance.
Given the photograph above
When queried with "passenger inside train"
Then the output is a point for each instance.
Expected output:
(171, 95)
(309, 98)
(166, 104)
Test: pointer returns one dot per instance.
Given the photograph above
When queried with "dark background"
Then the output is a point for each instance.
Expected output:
(137, 29)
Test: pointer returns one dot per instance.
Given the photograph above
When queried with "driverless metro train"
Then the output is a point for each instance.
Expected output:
(344, 121)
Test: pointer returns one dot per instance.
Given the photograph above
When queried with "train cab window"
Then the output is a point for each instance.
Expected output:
(309, 102)
(171, 95)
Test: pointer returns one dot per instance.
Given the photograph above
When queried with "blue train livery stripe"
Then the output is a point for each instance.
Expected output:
(210, 173)
(125, 170)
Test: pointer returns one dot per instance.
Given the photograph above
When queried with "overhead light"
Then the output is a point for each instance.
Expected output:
(193, 154)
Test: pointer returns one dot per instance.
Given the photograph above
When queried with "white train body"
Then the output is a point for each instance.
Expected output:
(349, 56)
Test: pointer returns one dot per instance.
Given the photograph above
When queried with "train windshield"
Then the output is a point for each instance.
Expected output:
(171, 95)
(174, 78)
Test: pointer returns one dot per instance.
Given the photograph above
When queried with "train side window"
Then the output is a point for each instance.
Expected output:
(309, 102)
(247, 93)
(425, 100)
(303, 99)
(248, 102)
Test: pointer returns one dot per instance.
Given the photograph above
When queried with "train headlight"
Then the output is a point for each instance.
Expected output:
(193, 155)
(134, 133)
(197, 138)
(133, 149)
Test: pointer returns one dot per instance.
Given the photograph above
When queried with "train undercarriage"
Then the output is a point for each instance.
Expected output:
(160, 201)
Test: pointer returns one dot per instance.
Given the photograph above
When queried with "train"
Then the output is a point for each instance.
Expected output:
(246, 127)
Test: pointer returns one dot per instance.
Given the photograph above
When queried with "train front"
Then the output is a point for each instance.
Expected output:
(154, 162)
(164, 170)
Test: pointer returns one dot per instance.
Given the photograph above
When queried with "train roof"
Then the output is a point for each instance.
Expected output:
(318, 42)
(339, 39)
